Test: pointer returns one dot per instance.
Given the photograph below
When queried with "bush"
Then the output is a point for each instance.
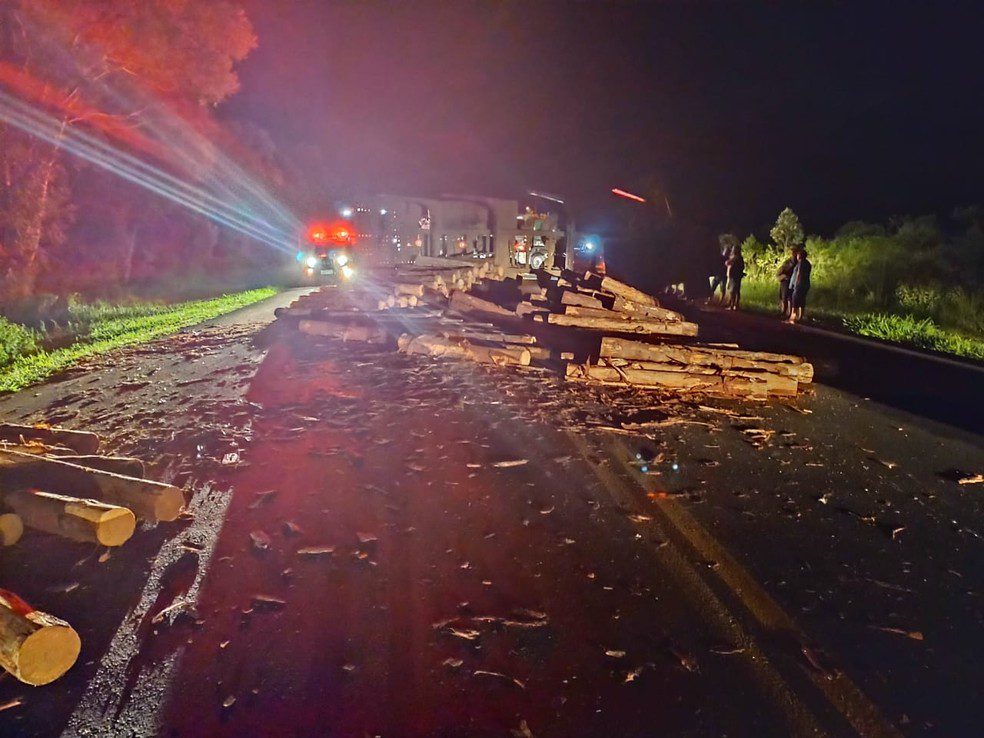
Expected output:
(16, 340)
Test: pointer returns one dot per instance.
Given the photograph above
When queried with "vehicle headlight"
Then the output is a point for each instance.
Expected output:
(348, 272)
(312, 261)
(341, 259)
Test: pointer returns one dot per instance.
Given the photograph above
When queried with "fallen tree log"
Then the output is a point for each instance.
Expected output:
(345, 332)
(619, 325)
(707, 356)
(88, 521)
(35, 647)
(11, 529)
(81, 442)
(147, 499)
(439, 346)
(769, 384)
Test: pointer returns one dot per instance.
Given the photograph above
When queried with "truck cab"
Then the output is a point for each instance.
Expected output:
(327, 253)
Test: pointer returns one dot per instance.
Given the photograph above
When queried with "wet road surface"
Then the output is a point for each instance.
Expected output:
(382, 545)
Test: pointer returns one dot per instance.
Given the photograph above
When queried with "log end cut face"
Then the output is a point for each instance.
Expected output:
(113, 526)
(11, 529)
(169, 504)
(47, 653)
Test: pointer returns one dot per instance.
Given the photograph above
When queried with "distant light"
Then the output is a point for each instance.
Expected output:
(346, 212)
(589, 246)
(627, 195)
(312, 262)
(341, 260)
(383, 211)
(348, 272)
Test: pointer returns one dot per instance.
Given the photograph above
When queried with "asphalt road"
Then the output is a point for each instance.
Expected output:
(383, 545)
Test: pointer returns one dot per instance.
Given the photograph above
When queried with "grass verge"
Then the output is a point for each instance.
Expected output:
(107, 327)
(917, 332)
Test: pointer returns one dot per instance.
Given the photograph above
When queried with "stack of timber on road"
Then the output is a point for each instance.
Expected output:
(53, 481)
(564, 314)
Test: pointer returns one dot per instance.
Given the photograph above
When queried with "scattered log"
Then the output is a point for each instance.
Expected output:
(345, 332)
(89, 521)
(618, 325)
(417, 290)
(125, 465)
(620, 289)
(81, 442)
(147, 499)
(524, 309)
(707, 356)
(769, 384)
(11, 529)
(462, 302)
(432, 345)
(489, 336)
(658, 314)
(648, 311)
(579, 299)
(35, 647)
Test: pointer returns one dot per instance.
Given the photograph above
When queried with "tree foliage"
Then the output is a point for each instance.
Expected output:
(102, 65)
(787, 232)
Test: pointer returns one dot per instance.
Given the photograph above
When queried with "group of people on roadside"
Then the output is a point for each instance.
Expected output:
(730, 271)
(794, 283)
(793, 276)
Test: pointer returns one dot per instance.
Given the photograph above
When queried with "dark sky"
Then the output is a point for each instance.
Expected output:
(840, 110)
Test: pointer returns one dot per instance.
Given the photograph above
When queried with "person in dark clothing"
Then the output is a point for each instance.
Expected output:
(736, 271)
(799, 283)
(720, 276)
(783, 275)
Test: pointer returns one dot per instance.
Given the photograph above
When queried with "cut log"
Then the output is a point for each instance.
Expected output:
(432, 345)
(148, 500)
(621, 289)
(11, 529)
(125, 465)
(618, 325)
(89, 521)
(408, 289)
(35, 647)
(647, 311)
(658, 314)
(724, 358)
(489, 336)
(462, 302)
(770, 384)
(81, 442)
(362, 333)
(524, 309)
(579, 299)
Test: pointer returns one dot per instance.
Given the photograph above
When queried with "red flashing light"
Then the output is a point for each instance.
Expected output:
(627, 195)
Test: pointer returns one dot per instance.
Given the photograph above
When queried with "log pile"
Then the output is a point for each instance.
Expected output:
(53, 481)
(620, 334)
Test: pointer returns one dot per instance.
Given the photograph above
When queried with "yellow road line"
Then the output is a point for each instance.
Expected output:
(840, 692)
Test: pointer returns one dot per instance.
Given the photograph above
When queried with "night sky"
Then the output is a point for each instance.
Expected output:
(841, 110)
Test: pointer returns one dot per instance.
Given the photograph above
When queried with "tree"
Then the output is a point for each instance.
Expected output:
(173, 52)
(787, 232)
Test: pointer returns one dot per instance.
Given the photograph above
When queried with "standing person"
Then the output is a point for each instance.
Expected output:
(799, 283)
(783, 275)
(720, 276)
(736, 271)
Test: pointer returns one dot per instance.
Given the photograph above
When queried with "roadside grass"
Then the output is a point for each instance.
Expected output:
(101, 327)
(903, 326)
